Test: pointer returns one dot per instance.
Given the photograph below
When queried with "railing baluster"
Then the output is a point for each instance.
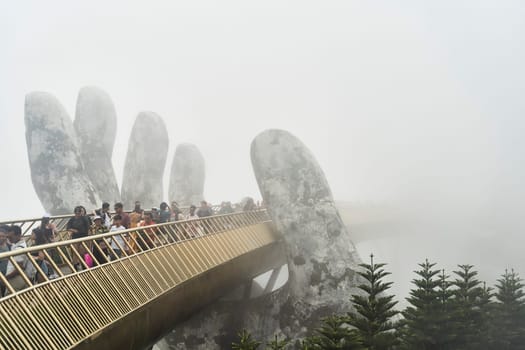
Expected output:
(153, 259)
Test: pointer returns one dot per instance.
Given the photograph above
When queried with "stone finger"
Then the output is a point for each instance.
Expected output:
(96, 126)
(187, 175)
(57, 169)
(145, 161)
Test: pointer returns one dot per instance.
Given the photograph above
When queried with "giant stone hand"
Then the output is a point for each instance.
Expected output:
(70, 165)
(321, 257)
(71, 162)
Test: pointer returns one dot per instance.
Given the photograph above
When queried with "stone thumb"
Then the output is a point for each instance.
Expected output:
(321, 256)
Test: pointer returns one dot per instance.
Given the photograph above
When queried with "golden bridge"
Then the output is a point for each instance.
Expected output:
(166, 272)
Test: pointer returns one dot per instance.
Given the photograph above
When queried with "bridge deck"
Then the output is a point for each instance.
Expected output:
(77, 308)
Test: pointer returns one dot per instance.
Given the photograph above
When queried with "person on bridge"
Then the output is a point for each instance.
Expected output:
(176, 213)
(104, 214)
(192, 215)
(117, 226)
(136, 215)
(226, 208)
(48, 227)
(39, 237)
(101, 255)
(78, 226)
(148, 235)
(249, 205)
(14, 235)
(192, 228)
(126, 220)
(83, 212)
(204, 210)
(155, 214)
(164, 214)
(4, 247)
(50, 232)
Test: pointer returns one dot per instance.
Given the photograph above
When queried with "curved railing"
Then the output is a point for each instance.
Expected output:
(69, 251)
(60, 313)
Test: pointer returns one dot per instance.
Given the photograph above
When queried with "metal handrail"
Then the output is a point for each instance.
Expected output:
(60, 221)
(165, 233)
(64, 312)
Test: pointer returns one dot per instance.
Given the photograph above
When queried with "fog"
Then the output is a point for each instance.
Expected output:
(413, 109)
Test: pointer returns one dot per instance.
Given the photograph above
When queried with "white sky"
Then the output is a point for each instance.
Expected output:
(411, 103)
(414, 109)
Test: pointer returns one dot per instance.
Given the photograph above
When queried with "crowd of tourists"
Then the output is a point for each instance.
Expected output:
(99, 222)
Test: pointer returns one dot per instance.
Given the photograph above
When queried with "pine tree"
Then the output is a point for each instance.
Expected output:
(509, 313)
(277, 344)
(487, 308)
(373, 312)
(245, 342)
(421, 325)
(333, 335)
(467, 314)
(444, 321)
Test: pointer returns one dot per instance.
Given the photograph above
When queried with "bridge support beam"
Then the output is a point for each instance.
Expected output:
(150, 323)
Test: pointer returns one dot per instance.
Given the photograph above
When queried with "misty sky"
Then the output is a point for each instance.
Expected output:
(414, 105)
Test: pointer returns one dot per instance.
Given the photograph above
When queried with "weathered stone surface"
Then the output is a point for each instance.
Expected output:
(321, 256)
(145, 161)
(96, 127)
(322, 260)
(187, 175)
(57, 171)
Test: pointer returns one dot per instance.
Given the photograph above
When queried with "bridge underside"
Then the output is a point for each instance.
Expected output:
(151, 322)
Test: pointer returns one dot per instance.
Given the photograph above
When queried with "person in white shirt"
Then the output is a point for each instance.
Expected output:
(14, 234)
(192, 228)
(105, 215)
(192, 214)
(117, 241)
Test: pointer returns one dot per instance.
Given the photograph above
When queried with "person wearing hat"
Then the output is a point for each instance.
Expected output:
(98, 226)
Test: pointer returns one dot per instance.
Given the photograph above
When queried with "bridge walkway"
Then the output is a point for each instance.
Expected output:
(166, 272)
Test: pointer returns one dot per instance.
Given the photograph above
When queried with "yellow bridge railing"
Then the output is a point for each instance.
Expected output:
(131, 268)
(60, 221)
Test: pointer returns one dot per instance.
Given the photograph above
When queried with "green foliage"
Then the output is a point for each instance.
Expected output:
(441, 315)
(470, 329)
(443, 320)
(374, 310)
(245, 342)
(487, 311)
(422, 327)
(509, 313)
(306, 344)
(333, 335)
(510, 291)
(277, 344)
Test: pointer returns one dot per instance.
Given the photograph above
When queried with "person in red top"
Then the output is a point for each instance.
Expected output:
(125, 219)
(148, 235)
